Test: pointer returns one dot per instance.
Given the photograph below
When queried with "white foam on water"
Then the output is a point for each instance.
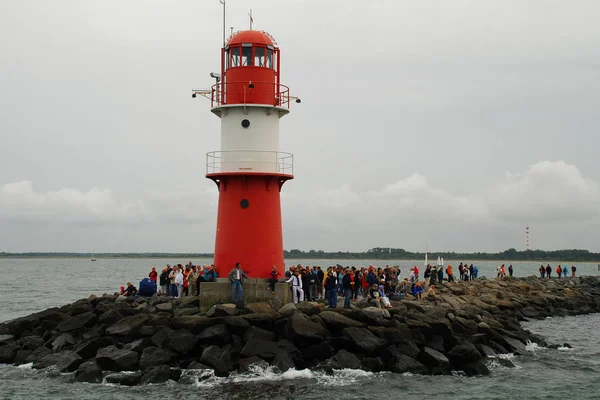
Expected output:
(407, 374)
(563, 348)
(506, 356)
(533, 347)
(26, 366)
(256, 373)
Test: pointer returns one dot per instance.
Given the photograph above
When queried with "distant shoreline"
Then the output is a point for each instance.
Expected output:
(336, 260)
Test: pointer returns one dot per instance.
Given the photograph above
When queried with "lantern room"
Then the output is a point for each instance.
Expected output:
(250, 71)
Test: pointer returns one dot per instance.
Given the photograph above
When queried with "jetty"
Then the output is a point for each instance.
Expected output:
(132, 341)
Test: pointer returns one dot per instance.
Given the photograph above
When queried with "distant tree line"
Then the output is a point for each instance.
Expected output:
(376, 253)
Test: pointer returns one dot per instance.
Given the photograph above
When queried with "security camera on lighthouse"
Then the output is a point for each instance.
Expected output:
(249, 170)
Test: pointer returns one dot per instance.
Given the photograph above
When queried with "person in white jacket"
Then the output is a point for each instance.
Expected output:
(179, 282)
(297, 292)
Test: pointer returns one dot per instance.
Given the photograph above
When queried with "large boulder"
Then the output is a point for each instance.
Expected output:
(66, 361)
(258, 347)
(344, 359)
(139, 345)
(62, 341)
(220, 360)
(437, 362)
(89, 372)
(237, 325)
(158, 374)
(193, 323)
(182, 342)
(309, 308)
(31, 342)
(283, 360)
(463, 354)
(112, 358)
(124, 379)
(374, 315)
(37, 355)
(361, 339)
(8, 353)
(80, 307)
(110, 317)
(303, 332)
(258, 333)
(217, 334)
(159, 339)
(404, 364)
(87, 350)
(336, 322)
(287, 310)
(128, 326)
(6, 338)
(222, 310)
(248, 364)
(261, 308)
(79, 321)
(154, 356)
(317, 351)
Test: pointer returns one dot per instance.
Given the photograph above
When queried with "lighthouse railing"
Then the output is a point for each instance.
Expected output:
(267, 93)
(262, 161)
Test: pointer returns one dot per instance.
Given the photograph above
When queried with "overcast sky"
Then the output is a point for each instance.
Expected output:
(451, 123)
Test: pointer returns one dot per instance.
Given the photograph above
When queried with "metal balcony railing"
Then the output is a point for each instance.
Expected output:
(250, 161)
(270, 93)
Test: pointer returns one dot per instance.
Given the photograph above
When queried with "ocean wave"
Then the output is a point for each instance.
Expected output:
(257, 374)
(26, 366)
(533, 347)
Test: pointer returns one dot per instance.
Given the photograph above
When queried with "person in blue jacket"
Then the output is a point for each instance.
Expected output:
(418, 292)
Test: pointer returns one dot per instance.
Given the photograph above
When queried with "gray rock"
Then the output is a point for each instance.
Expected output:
(222, 310)
(344, 359)
(193, 323)
(6, 338)
(112, 358)
(80, 307)
(309, 308)
(246, 364)
(21, 357)
(302, 331)
(31, 342)
(168, 307)
(66, 361)
(89, 372)
(62, 341)
(8, 353)
(197, 365)
(283, 361)
(139, 345)
(406, 364)
(374, 315)
(287, 310)
(336, 322)
(476, 368)
(318, 351)
(218, 359)
(37, 355)
(363, 340)
(258, 333)
(437, 362)
(463, 354)
(154, 356)
(217, 334)
(160, 338)
(124, 379)
(182, 342)
(237, 325)
(128, 326)
(257, 347)
(110, 317)
(79, 321)
(87, 350)
(158, 374)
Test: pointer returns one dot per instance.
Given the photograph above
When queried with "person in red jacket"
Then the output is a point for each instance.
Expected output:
(153, 274)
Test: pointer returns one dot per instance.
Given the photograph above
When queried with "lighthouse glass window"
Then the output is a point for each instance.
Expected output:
(235, 57)
(246, 56)
(259, 56)
(269, 58)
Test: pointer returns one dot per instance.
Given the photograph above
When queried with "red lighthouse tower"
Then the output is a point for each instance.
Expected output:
(249, 170)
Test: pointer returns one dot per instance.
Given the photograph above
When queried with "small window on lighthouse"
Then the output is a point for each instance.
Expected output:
(269, 58)
(259, 56)
(246, 56)
(235, 57)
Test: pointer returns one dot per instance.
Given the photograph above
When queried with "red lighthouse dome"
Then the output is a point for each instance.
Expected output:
(250, 71)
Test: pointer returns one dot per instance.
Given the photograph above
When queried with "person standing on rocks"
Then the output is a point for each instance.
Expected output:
(153, 275)
(449, 273)
(236, 277)
(548, 271)
(193, 281)
(347, 284)
(441, 275)
(510, 270)
(565, 271)
(320, 281)
(331, 289)
(273, 279)
(573, 270)
(179, 280)
(297, 292)
(542, 271)
(558, 271)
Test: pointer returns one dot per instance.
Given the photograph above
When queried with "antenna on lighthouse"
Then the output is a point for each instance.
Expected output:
(251, 19)
(223, 2)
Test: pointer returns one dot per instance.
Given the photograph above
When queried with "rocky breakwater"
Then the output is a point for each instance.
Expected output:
(457, 329)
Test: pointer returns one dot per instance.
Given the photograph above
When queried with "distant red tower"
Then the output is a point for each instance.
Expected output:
(249, 171)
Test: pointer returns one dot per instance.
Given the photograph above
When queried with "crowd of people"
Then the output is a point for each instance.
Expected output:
(377, 285)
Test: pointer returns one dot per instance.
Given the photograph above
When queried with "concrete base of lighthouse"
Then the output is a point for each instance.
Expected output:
(255, 291)
(249, 229)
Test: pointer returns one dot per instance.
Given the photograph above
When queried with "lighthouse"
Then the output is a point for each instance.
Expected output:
(249, 170)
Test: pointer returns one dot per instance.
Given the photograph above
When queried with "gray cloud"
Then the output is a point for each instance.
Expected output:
(412, 113)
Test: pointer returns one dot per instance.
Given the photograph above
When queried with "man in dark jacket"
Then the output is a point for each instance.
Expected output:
(347, 284)
(236, 277)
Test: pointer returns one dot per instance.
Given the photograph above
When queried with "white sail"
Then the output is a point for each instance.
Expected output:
(439, 261)
(442, 261)
(426, 258)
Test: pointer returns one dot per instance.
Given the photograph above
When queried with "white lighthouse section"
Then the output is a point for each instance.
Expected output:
(250, 141)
